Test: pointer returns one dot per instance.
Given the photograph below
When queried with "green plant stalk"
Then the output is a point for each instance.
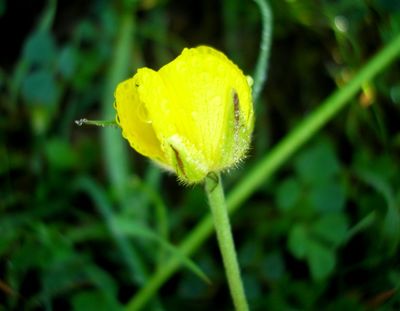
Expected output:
(116, 159)
(260, 74)
(47, 19)
(219, 211)
(21, 69)
(308, 127)
(271, 163)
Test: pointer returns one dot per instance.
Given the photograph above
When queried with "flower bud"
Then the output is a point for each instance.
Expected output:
(193, 116)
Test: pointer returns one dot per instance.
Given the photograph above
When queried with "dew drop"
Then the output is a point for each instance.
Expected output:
(80, 122)
(143, 113)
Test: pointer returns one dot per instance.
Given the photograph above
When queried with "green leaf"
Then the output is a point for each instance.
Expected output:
(93, 300)
(368, 166)
(311, 244)
(252, 286)
(331, 228)
(298, 241)
(363, 224)
(317, 163)
(321, 260)
(273, 266)
(59, 154)
(67, 61)
(391, 223)
(328, 197)
(247, 252)
(391, 227)
(138, 230)
(128, 252)
(190, 287)
(129, 228)
(102, 280)
(39, 48)
(29, 256)
(40, 88)
(59, 275)
(288, 193)
(395, 93)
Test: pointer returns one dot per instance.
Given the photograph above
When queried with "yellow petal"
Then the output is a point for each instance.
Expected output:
(181, 155)
(132, 118)
(193, 96)
(204, 81)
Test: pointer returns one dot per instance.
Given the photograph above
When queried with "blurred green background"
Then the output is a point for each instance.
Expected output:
(85, 221)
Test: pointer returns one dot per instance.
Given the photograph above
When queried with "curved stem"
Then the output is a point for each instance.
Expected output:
(260, 74)
(219, 211)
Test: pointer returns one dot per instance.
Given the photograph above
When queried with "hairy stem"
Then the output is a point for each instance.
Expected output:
(219, 211)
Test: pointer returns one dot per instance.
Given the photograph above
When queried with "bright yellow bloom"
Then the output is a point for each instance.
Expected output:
(193, 116)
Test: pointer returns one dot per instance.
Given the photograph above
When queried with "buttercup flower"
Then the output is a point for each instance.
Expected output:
(193, 116)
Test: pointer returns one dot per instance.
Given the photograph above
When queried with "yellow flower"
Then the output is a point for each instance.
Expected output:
(193, 116)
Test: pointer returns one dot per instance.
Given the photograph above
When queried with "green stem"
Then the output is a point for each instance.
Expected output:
(101, 123)
(216, 199)
(48, 16)
(260, 74)
(270, 164)
(309, 126)
(115, 154)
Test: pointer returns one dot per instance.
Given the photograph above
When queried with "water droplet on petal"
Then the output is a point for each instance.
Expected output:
(143, 113)
(80, 122)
